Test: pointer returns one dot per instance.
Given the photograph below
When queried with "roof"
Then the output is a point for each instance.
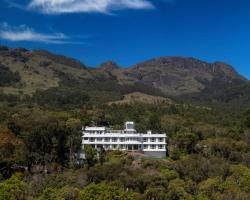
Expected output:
(95, 128)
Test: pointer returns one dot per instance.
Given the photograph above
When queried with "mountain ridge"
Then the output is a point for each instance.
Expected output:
(180, 75)
(171, 75)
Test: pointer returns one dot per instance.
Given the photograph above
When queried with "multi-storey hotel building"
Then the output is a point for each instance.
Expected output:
(125, 140)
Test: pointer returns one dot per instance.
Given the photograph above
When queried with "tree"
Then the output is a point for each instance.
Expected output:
(11, 149)
(104, 192)
(247, 118)
(176, 191)
(90, 155)
(170, 174)
(227, 148)
(198, 168)
(64, 193)
(102, 155)
(73, 139)
(51, 194)
(186, 142)
(209, 187)
(13, 188)
(234, 187)
(156, 193)
(7, 77)
(241, 176)
(155, 122)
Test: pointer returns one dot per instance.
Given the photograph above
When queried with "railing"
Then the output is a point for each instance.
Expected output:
(115, 131)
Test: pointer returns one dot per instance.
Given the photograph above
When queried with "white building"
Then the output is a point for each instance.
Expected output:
(125, 140)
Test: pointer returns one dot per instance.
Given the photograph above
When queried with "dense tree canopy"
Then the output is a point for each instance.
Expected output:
(208, 152)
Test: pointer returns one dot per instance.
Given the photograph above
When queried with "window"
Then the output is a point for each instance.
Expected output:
(122, 139)
(160, 146)
(160, 139)
(114, 139)
(152, 139)
(92, 139)
(86, 138)
(145, 139)
(145, 147)
(99, 139)
(106, 139)
(152, 146)
(130, 126)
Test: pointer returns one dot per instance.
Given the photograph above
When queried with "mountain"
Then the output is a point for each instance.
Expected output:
(25, 72)
(39, 70)
(176, 76)
(108, 66)
(60, 59)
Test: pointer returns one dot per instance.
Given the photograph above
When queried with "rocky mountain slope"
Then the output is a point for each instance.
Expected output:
(176, 76)
(26, 72)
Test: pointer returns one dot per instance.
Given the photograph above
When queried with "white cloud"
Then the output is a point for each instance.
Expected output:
(87, 6)
(24, 33)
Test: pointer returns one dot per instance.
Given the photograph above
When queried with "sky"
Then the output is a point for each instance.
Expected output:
(131, 31)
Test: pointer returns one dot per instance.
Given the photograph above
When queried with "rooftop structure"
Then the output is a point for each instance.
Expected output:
(128, 139)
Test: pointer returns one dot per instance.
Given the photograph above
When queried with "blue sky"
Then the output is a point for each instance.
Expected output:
(131, 31)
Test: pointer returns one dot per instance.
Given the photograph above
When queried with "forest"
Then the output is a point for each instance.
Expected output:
(45, 101)
(208, 151)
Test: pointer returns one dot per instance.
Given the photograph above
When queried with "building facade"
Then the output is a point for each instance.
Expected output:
(150, 144)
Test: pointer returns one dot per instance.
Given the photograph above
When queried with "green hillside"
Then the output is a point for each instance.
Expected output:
(45, 99)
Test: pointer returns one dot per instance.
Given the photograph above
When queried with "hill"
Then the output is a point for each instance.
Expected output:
(176, 76)
(38, 70)
(25, 72)
(138, 97)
